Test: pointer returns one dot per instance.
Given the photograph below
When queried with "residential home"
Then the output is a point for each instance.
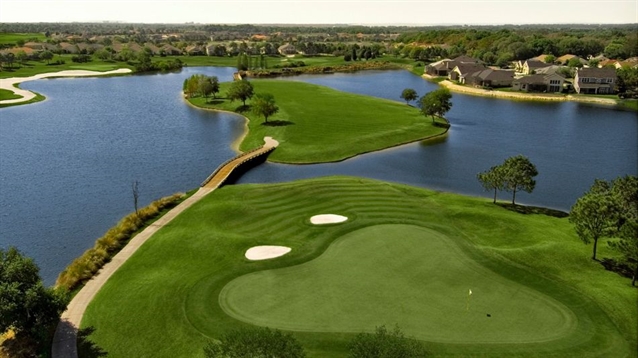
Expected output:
(540, 58)
(628, 63)
(548, 83)
(461, 72)
(610, 63)
(443, 67)
(287, 49)
(595, 80)
(530, 66)
(67, 47)
(171, 50)
(154, 49)
(563, 60)
(195, 50)
(549, 70)
(491, 78)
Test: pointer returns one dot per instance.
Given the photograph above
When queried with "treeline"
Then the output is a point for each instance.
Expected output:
(504, 45)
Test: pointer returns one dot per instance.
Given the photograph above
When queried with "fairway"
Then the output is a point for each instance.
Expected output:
(397, 274)
(405, 256)
(320, 124)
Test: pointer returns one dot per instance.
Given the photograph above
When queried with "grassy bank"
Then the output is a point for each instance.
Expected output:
(320, 124)
(165, 301)
(38, 97)
(6, 94)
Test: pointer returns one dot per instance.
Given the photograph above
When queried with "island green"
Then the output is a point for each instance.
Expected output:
(424, 249)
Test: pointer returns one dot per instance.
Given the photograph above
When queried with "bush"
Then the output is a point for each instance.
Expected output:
(84, 267)
(255, 342)
(385, 344)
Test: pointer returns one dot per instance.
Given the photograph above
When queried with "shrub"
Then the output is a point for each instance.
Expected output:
(255, 342)
(385, 344)
(92, 260)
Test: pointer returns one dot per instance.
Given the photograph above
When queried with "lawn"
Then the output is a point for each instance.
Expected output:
(320, 124)
(406, 255)
(31, 68)
(13, 38)
(6, 94)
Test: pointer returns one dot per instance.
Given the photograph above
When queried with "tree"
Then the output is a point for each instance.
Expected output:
(624, 192)
(26, 306)
(574, 62)
(517, 174)
(594, 215)
(241, 90)
(47, 56)
(409, 95)
(264, 105)
(492, 179)
(385, 344)
(550, 59)
(436, 103)
(214, 82)
(255, 342)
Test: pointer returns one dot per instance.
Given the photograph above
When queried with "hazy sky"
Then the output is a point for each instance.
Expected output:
(420, 12)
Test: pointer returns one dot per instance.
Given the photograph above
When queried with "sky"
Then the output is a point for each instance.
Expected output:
(367, 12)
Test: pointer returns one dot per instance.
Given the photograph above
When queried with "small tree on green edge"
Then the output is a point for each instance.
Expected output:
(263, 104)
(518, 173)
(492, 179)
(255, 342)
(436, 103)
(409, 95)
(624, 191)
(241, 90)
(385, 344)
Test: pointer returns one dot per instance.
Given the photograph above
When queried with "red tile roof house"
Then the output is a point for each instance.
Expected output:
(595, 80)
(539, 83)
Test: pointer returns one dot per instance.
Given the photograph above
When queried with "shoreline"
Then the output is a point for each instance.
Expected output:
(522, 95)
(11, 84)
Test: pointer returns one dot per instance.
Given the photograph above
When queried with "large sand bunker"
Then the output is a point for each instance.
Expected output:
(327, 219)
(266, 252)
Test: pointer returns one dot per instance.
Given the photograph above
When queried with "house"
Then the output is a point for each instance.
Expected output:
(610, 63)
(540, 58)
(195, 50)
(531, 65)
(549, 70)
(287, 49)
(491, 78)
(462, 71)
(171, 50)
(443, 67)
(539, 83)
(563, 60)
(595, 80)
(67, 47)
(154, 49)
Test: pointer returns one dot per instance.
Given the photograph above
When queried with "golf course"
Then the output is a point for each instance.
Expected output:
(317, 124)
(462, 275)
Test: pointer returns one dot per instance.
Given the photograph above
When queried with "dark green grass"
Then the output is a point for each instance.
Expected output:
(38, 97)
(320, 124)
(164, 302)
(6, 94)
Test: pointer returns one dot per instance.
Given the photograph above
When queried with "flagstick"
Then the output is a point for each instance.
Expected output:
(467, 306)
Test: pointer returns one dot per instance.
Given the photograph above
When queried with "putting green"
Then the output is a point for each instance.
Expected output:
(398, 274)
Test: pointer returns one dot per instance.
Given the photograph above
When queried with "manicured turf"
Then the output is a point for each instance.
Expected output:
(6, 94)
(320, 124)
(12, 38)
(36, 67)
(397, 274)
(165, 301)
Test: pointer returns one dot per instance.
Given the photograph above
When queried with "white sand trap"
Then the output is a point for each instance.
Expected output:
(327, 219)
(266, 252)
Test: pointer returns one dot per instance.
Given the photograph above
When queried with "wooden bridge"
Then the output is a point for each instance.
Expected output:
(219, 176)
(65, 339)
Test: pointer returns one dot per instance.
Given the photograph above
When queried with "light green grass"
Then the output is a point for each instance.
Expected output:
(11, 38)
(36, 67)
(38, 98)
(422, 285)
(320, 124)
(164, 302)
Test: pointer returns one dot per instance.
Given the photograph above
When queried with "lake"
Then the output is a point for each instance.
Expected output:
(67, 164)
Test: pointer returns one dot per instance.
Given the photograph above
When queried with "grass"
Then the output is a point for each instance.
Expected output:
(12, 38)
(38, 97)
(165, 301)
(320, 124)
(36, 67)
(6, 94)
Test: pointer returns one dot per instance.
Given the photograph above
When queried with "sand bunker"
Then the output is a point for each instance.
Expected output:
(327, 219)
(266, 252)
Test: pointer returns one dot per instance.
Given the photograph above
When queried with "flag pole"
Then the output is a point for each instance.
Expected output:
(469, 294)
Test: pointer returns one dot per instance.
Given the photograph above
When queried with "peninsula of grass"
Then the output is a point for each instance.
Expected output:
(319, 124)
(405, 256)
(6, 94)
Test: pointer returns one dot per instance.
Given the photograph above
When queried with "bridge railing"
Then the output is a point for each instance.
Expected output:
(247, 156)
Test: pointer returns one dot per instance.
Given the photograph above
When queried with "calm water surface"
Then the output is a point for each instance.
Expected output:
(66, 164)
